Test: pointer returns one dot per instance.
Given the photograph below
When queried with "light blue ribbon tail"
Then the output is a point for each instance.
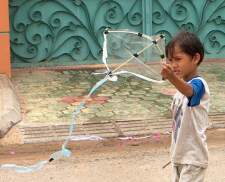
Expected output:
(80, 107)
(64, 152)
(27, 169)
(60, 154)
(24, 169)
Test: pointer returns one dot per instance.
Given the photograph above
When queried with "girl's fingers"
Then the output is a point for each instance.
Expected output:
(166, 71)
(167, 67)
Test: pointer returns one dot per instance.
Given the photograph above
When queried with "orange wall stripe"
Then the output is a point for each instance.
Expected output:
(5, 66)
(4, 16)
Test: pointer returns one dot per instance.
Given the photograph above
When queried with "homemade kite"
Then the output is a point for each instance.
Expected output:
(124, 53)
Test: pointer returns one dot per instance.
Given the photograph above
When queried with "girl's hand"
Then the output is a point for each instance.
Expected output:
(181, 85)
(167, 71)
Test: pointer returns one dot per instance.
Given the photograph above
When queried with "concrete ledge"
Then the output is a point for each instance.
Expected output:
(10, 113)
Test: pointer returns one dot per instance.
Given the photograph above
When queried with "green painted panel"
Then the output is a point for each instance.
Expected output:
(61, 32)
(206, 18)
(69, 32)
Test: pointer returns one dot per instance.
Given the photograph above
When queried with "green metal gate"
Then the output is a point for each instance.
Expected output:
(69, 32)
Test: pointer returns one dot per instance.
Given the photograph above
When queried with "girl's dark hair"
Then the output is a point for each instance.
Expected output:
(188, 42)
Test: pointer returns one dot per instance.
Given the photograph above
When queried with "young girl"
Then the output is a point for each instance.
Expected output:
(190, 106)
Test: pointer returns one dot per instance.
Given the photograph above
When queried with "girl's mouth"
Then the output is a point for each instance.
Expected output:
(177, 72)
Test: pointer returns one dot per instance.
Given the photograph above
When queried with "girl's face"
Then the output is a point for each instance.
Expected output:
(183, 65)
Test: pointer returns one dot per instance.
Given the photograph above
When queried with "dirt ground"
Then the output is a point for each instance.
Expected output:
(108, 161)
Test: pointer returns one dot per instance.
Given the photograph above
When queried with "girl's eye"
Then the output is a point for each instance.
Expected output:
(174, 60)
(177, 59)
(169, 60)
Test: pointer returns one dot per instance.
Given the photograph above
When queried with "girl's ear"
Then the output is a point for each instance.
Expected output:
(196, 58)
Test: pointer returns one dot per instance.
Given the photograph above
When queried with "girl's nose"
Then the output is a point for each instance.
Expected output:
(174, 65)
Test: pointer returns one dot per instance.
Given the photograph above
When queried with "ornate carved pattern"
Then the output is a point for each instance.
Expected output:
(55, 31)
(44, 30)
(206, 18)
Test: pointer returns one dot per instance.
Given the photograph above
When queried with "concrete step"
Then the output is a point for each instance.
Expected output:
(111, 129)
